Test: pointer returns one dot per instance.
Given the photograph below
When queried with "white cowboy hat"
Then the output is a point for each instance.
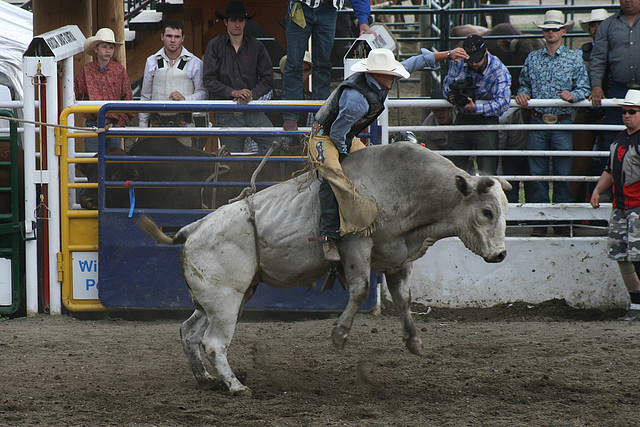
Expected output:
(597, 15)
(381, 61)
(555, 19)
(631, 98)
(307, 59)
(104, 35)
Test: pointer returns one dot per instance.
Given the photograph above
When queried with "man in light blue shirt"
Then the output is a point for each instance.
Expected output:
(353, 106)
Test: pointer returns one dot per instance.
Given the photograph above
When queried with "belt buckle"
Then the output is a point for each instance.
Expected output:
(550, 119)
(633, 85)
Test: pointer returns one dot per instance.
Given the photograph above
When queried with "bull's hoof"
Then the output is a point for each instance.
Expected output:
(339, 337)
(242, 392)
(415, 346)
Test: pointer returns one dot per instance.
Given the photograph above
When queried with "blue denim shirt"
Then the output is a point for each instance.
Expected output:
(353, 105)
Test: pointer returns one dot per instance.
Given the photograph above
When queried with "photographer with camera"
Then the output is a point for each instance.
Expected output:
(480, 89)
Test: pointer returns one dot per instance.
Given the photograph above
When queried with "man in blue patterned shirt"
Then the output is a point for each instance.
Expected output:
(492, 86)
(550, 73)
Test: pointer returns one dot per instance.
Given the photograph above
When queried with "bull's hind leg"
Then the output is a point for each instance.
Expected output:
(356, 268)
(222, 310)
(397, 283)
(191, 333)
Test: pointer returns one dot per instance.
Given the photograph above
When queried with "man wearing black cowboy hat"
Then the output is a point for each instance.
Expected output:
(238, 67)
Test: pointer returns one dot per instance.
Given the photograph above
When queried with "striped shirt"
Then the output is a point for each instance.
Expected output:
(544, 76)
(494, 86)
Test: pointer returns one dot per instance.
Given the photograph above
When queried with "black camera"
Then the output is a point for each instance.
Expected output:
(462, 90)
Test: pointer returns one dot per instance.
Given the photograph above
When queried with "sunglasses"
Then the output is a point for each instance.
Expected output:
(630, 112)
(555, 30)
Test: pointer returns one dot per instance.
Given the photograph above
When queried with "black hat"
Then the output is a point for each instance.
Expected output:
(475, 48)
(235, 9)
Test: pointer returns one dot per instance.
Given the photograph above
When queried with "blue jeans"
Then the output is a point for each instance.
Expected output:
(91, 144)
(235, 144)
(550, 140)
(321, 24)
(475, 140)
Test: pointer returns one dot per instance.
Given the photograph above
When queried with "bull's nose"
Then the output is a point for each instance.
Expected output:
(500, 257)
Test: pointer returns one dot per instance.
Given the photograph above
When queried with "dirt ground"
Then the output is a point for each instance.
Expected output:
(510, 365)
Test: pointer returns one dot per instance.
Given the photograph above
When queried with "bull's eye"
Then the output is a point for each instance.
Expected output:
(487, 213)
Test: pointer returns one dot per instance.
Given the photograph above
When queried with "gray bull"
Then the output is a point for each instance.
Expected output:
(422, 198)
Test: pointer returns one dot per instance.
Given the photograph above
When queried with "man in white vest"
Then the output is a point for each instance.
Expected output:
(172, 73)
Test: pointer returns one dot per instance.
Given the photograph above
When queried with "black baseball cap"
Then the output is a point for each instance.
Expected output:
(475, 47)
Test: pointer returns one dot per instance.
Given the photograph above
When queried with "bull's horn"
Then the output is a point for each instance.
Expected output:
(506, 186)
(512, 45)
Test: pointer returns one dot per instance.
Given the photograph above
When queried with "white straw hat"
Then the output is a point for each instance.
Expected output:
(555, 19)
(381, 61)
(597, 15)
(632, 98)
(306, 58)
(104, 35)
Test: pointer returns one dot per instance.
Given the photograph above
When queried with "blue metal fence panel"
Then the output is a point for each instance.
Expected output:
(135, 272)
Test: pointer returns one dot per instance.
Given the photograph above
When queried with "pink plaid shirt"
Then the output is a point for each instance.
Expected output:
(111, 84)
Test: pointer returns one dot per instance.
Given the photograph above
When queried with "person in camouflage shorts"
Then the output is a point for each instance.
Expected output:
(623, 174)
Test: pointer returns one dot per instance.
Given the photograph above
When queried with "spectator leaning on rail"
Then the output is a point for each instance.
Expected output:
(171, 73)
(623, 173)
(613, 67)
(439, 116)
(103, 79)
(590, 26)
(238, 67)
(550, 73)
(480, 89)
(353, 106)
(315, 18)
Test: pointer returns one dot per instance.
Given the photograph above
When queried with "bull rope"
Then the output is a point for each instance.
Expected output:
(249, 192)
(55, 125)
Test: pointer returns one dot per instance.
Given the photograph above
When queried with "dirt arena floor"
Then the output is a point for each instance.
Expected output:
(511, 365)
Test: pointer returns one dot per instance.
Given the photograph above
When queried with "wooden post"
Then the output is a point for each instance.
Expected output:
(110, 14)
(51, 14)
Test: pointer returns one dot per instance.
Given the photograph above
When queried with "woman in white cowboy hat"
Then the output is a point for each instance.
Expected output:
(103, 79)
(623, 174)
(350, 108)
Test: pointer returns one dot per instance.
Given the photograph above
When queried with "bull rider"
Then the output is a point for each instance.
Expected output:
(350, 108)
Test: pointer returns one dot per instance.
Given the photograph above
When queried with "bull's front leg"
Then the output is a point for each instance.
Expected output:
(397, 283)
(356, 256)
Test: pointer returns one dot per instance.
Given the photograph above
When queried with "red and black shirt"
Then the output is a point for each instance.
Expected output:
(624, 167)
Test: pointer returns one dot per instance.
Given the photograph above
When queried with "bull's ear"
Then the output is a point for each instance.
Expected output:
(462, 185)
(484, 184)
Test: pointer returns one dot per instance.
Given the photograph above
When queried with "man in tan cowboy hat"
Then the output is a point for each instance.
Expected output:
(553, 72)
(623, 174)
(103, 79)
(350, 108)
(590, 26)
(238, 67)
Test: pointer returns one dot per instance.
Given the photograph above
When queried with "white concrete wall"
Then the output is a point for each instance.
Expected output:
(535, 270)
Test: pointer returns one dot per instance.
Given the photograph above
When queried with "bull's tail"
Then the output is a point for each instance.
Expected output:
(156, 234)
